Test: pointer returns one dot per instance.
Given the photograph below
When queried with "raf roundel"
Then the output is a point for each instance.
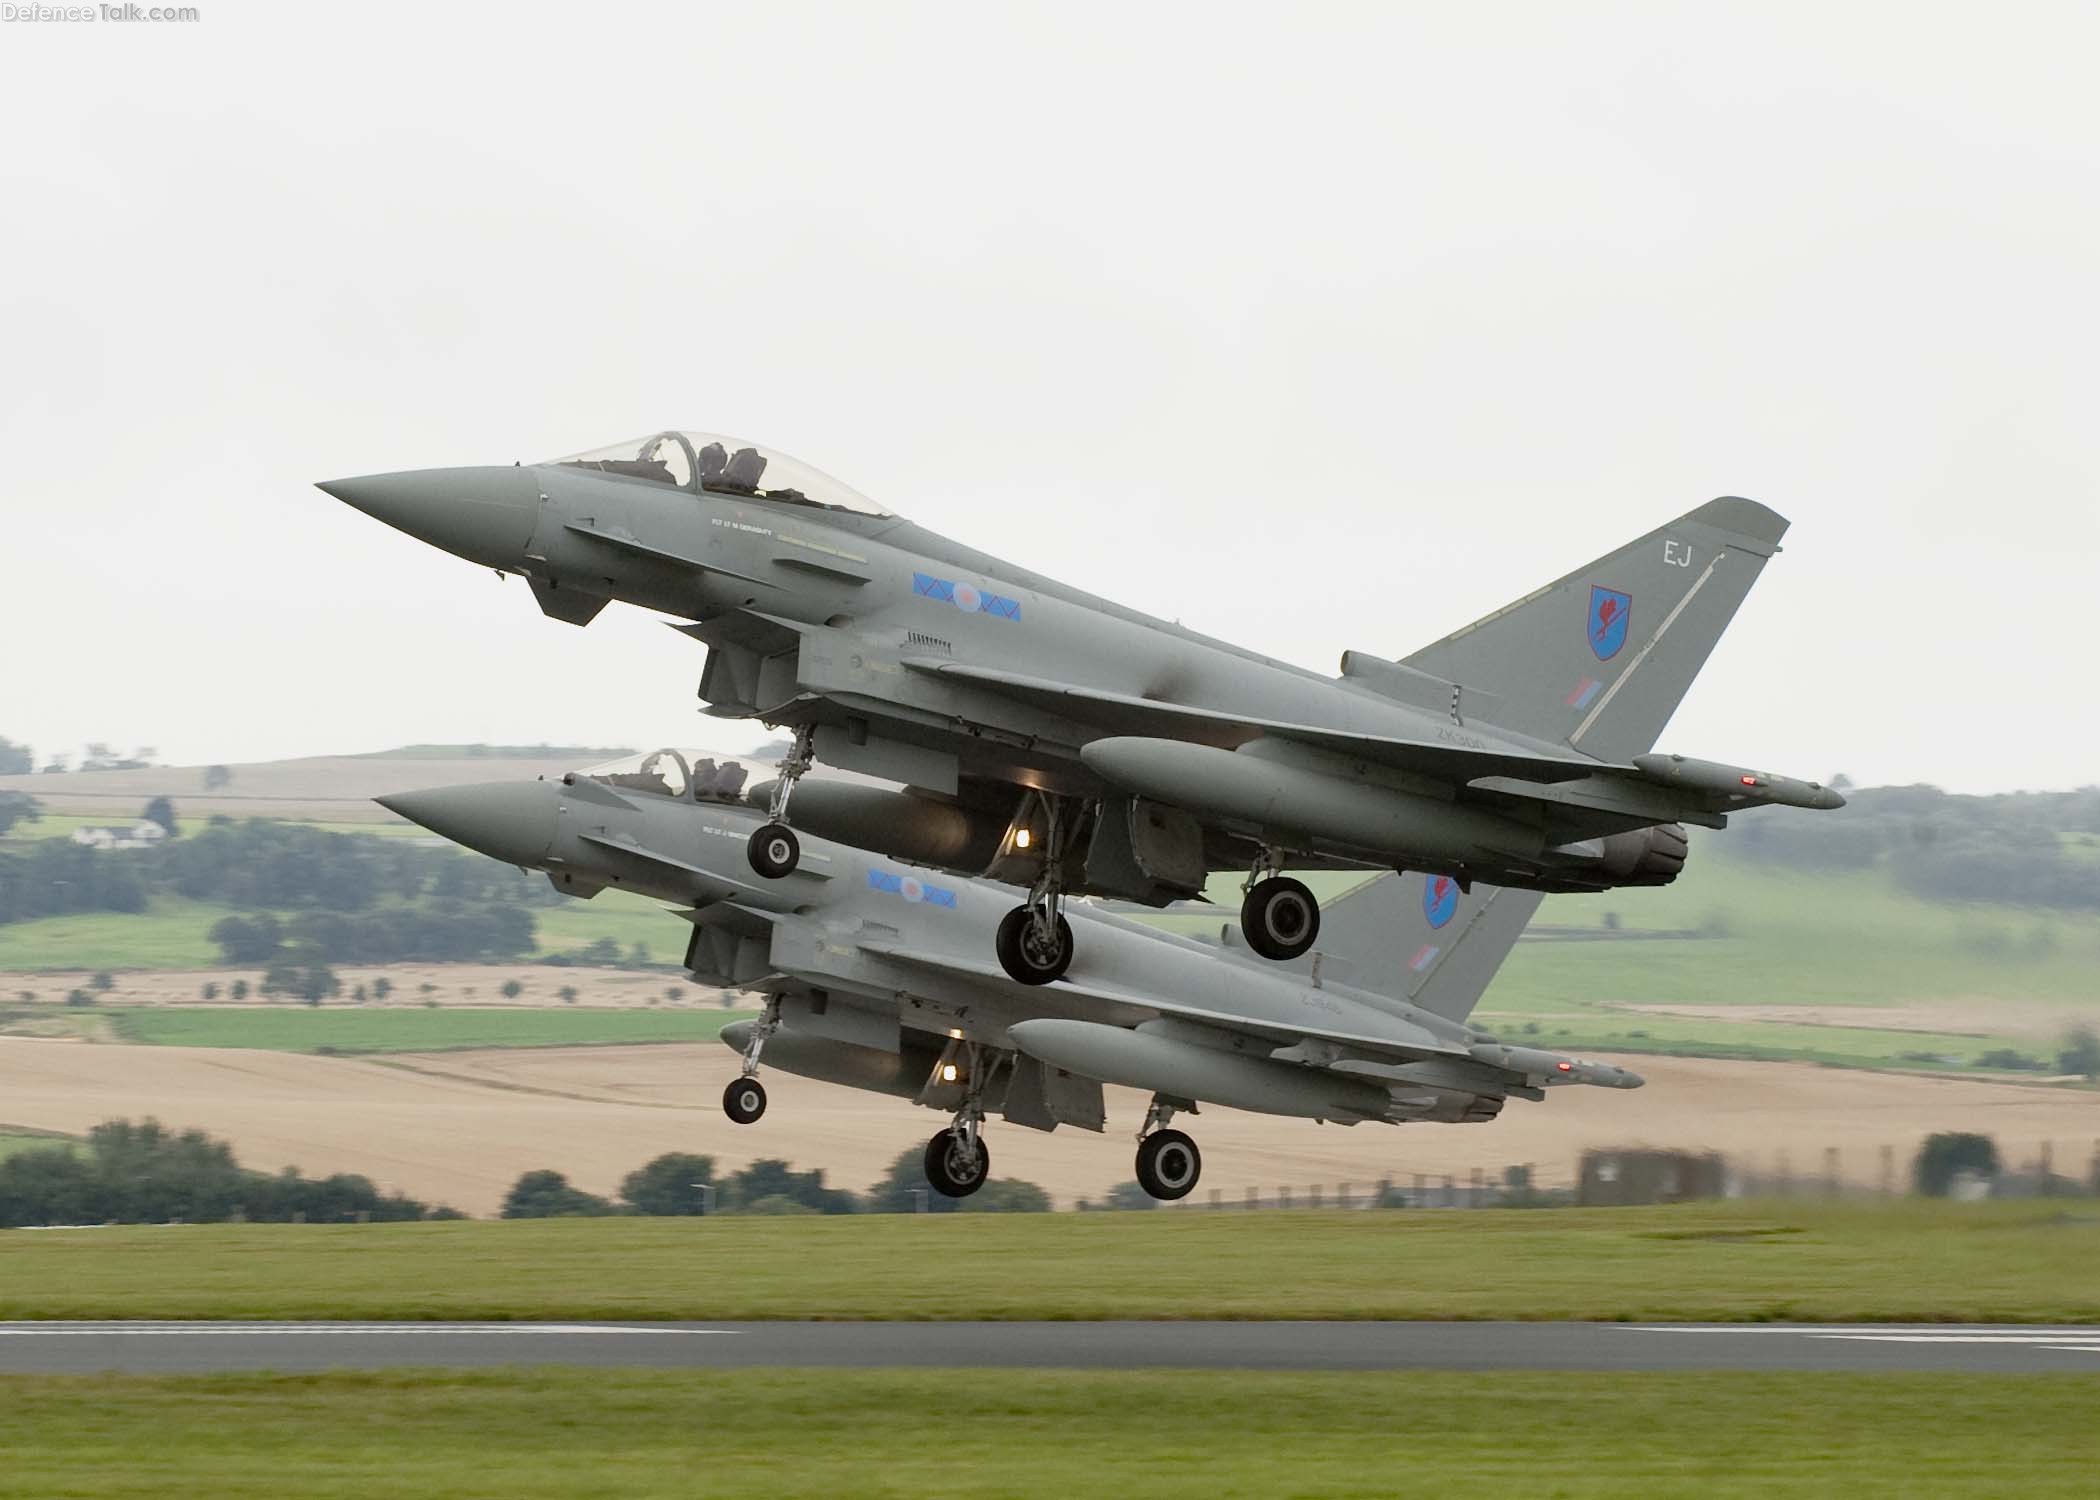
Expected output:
(967, 599)
(1439, 899)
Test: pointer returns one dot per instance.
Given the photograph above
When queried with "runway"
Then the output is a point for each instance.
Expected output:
(55, 1348)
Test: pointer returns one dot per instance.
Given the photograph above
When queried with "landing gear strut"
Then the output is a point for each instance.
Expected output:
(745, 1098)
(774, 850)
(1035, 940)
(1279, 916)
(1168, 1162)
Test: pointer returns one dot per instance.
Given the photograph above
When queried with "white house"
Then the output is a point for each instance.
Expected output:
(143, 834)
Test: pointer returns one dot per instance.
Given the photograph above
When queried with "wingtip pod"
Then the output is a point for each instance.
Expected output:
(1550, 1068)
(1737, 786)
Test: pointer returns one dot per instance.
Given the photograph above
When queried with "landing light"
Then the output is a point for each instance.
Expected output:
(1021, 839)
(948, 1073)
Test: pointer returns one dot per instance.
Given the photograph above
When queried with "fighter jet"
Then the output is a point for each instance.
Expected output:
(1062, 742)
(872, 976)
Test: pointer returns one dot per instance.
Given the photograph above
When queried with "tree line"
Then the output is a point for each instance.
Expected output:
(2010, 848)
(143, 1173)
(308, 895)
(679, 1184)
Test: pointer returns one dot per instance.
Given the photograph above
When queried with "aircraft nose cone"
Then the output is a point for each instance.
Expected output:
(508, 820)
(483, 513)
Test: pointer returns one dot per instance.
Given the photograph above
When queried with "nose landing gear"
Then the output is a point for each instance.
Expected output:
(745, 1098)
(773, 850)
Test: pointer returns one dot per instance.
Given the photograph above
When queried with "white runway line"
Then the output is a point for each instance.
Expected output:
(2072, 1340)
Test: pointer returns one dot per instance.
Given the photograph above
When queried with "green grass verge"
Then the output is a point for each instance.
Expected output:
(311, 1029)
(1211, 1434)
(1731, 1262)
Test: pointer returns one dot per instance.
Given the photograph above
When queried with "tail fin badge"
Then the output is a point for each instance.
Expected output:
(1439, 899)
(1609, 613)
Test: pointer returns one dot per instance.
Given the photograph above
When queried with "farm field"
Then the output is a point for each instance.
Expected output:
(407, 1029)
(1208, 1435)
(459, 1127)
(1907, 1261)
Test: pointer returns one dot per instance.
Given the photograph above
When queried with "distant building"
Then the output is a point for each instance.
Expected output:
(144, 834)
(1615, 1178)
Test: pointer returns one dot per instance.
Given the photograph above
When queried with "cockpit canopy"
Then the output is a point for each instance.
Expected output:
(721, 465)
(689, 775)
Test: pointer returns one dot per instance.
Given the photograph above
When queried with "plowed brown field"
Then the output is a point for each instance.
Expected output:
(459, 1127)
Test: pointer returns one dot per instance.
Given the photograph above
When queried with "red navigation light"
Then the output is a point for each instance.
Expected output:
(1566, 1067)
(1749, 781)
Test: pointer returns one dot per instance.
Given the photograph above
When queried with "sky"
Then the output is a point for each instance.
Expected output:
(1314, 327)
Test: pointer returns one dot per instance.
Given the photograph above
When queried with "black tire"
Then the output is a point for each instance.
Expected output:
(774, 851)
(1168, 1164)
(744, 1100)
(949, 1166)
(1281, 918)
(1021, 954)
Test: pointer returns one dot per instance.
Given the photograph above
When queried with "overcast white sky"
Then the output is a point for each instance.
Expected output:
(1311, 326)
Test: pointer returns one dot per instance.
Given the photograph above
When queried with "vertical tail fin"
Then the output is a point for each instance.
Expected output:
(1600, 659)
(1420, 939)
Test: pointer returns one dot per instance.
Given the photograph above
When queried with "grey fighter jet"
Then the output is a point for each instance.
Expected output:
(874, 976)
(1062, 742)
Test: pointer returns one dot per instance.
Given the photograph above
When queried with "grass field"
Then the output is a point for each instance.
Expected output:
(13, 1141)
(521, 1434)
(1914, 1261)
(340, 1029)
(1799, 939)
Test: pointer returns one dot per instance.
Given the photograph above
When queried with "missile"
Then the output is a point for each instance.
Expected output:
(1271, 794)
(1163, 1064)
(1549, 1068)
(1737, 782)
(902, 1074)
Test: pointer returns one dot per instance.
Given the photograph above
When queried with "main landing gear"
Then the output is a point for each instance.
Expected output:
(1168, 1162)
(745, 1098)
(1035, 941)
(957, 1166)
(1279, 916)
(773, 850)
(957, 1159)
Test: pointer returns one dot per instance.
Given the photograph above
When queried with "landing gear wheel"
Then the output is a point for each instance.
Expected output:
(1280, 918)
(1023, 953)
(954, 1167)
(774, 851)
(744, 1100)
(1168, 1164)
